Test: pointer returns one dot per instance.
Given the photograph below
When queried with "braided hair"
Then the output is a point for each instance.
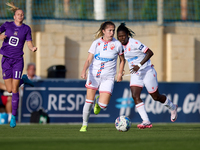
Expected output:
(122, 27)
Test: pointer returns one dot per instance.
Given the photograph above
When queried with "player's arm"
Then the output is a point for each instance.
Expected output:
(121, 68)
(149, 54)
(2, 36)
(86, 65)
(31, 46)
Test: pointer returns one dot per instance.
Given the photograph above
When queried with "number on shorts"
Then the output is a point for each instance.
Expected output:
(17, 74)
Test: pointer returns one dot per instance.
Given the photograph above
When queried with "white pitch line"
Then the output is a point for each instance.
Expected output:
(66, 89)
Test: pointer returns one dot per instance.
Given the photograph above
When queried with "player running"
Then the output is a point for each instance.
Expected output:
(16, 33)
(101, 61)
(142, 74)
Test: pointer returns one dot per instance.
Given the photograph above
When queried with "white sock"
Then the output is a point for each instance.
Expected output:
(169, 104)
(9, 117)
(141, 110)
(103, 106)
(86, 111)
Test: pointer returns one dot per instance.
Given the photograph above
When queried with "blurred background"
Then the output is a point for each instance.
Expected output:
(63, 31)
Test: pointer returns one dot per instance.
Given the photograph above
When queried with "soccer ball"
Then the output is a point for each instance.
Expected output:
(122, 123)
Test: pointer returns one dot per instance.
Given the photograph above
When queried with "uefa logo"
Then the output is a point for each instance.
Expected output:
(34, 101)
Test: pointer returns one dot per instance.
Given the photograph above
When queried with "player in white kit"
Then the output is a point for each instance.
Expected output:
(102, 62)
(142, 74)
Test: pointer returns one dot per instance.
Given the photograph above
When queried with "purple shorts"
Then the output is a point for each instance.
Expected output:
(12, 67)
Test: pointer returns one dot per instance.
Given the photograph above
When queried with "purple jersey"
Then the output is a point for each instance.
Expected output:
(13, 44)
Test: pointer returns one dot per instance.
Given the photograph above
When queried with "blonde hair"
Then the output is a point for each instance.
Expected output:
(103, 26)
(12, 8)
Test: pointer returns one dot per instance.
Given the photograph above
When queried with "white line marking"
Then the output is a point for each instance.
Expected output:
(35, 88)
(73, 115)
(66, 89)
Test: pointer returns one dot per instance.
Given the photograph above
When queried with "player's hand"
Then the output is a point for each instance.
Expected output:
(2, 37)
(134, 69)
(83, 75)
(119, 77)
(34, 49)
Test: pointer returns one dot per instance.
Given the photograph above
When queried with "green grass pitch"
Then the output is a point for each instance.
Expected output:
(169, 136)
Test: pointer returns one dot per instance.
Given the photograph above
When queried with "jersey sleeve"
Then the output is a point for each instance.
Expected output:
(93, 47)
(120, 49)
(3, 27)
(28, 35)
(141, 46)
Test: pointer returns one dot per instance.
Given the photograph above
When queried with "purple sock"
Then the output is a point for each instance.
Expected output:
(15, 102)
(21, 82)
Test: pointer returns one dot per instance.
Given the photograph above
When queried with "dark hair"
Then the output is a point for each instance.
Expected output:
(122, 27)
(103, 26)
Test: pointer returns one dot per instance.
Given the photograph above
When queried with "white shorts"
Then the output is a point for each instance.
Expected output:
(104, 84)
(146, 77)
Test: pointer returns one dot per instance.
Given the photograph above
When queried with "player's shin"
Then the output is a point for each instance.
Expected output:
(141, 110)
(15, 102)
(169, 104)
(86, 111)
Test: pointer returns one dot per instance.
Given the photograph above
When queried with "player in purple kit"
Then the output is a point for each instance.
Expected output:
(16, 33)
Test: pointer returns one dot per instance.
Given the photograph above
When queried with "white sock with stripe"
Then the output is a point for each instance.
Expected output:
(103, 106)
(141, 110)
(86, 111)
(169, 104)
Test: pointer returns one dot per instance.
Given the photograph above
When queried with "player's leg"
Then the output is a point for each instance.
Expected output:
(18, 65)
(9, 107)
(92, 86)
(87, 108)
(151, 84)
(15, 101)
(136, 85)
(8, 83)
(105, 90)
(139, 104)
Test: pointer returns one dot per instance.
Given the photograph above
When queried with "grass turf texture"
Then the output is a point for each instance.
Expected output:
(100, 137)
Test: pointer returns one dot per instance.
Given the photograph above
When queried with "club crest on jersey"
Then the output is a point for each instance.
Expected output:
(129, 49)
(112, 46)
(99, 44)
(15, 33)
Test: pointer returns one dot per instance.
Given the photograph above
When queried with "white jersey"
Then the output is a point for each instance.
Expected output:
(134, 52)
(105, 57)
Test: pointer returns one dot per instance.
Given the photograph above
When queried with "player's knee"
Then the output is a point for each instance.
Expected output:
(136, 98)
(156, 97)
(14, 90)
(9, 90)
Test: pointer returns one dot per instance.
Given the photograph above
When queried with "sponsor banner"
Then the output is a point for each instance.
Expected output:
(63, 100)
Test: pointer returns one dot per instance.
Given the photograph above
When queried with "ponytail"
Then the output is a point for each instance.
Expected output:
(12, 8)
(122, 27)
(103, 26)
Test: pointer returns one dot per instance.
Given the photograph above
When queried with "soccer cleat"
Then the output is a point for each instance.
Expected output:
(97, 109)
(83, 129)
(174, 114)
(27, 81)
(144, 125)
(12, 122)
